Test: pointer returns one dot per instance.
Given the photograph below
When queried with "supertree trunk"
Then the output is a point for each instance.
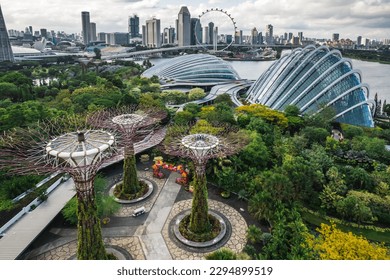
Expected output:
(199, 220)
(130, 180)
(90, 243)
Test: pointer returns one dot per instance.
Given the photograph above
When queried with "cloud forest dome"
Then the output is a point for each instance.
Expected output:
(312, 79)
(194, 68)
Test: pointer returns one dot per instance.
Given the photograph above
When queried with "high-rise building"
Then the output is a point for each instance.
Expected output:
(260, 38)
(184, 27)
(86, 27)
(238, 37)
(134, 26)
(205, 35)
(300, 36)
(359, 41)
(211, 32)
(335, 37)
(44, 32)
(152, 33)
(6, 53)
(93, 36)
(254, 36)
(269, 34)
(196, 31)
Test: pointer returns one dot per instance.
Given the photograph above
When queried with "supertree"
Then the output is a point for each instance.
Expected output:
(68, 146)
(134, 125)
(200, 148)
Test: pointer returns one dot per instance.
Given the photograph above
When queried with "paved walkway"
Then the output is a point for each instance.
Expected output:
(19, 236)
(148, 236)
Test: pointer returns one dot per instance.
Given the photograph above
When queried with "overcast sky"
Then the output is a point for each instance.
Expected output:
(315, 18)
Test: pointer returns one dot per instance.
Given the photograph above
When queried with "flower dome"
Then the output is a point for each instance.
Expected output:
(313, 79)
(194, 68)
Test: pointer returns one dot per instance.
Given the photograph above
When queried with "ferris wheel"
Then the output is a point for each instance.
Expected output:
(232, 28)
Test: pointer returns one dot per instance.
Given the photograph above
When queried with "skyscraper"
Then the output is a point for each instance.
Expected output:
(196, 31)
(134, 26)
(335, 37)
(184, 27)
(269, 34)
(6, 53)
(211, 32)
(359, 41)
(93, 32)
(86, 27)
(254, 36)
(152, 33)
(44, 32)
(300, 35)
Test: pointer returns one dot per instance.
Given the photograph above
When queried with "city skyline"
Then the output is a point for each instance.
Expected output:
(349, 18)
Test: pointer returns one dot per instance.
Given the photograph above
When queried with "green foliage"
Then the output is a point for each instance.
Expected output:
(183, 117)
(254, 234)
(315, 135)
(199, 219)
(193, 108)
(221, 113)
(255, 154)
(374, 147)
(351, 131)
(222, 254)
(353, 209)
(289, 235)
(195, 94)
(224, 98)
(174, 96)
(130, 179)
(291, 111)
(269, 115)
(69, 212)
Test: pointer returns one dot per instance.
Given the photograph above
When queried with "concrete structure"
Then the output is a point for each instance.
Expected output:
(86, 27)
(152, 33)
(6, 53)
(184, 27)
(313, 79)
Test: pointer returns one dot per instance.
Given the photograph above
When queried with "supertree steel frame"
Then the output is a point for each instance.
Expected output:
(50, 147)
(200, 148)
(134, 124)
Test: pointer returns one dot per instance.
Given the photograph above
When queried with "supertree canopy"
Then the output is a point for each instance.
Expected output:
(64, 146)
(134, 124)
(200, 148)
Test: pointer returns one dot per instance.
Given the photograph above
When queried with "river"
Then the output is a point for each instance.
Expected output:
(376, 75)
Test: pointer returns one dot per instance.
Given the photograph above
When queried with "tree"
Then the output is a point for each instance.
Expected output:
(98, 53)
(353, 209)
(269, 115)
(224, 98)
(183, 117)
(9, 90)
(196, 93)
(333, 244)
(255, 153)
(315, 135)
(289, 237)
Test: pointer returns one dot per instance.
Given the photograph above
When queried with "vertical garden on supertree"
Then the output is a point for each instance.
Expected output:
(134, 125)
(66, 146)
(200, 148)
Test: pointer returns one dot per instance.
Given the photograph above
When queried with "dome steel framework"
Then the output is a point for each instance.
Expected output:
(313, 79)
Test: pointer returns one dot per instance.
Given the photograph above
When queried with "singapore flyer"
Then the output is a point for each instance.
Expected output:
(215, 29)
